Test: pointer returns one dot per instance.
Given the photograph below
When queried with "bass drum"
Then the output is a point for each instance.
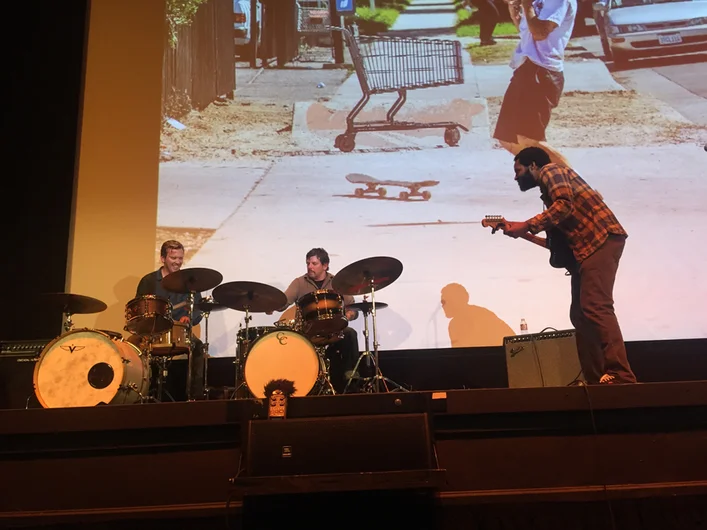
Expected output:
(86, 367)
(282, 354)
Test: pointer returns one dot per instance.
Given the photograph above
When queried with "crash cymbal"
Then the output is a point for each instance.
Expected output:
(75, 304)
(356, 278)
(366, 307)
(195, 279)
(208, 305)
(253, 296)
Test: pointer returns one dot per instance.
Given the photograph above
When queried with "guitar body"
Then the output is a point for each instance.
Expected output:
(561, 255)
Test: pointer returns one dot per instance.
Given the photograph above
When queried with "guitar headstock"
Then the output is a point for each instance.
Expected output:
(496, 222)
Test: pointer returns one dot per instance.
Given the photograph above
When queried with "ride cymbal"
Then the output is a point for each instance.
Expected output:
(75, 304)
(194, 279)
(251, 296)
(364, 275)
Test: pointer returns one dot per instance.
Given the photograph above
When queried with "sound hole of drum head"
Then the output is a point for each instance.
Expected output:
(100, 375)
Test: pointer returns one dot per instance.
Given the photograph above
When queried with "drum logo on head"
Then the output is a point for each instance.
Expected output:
(281, 338)
(72, 349)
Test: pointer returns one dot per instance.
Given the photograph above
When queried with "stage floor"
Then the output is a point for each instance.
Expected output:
(487, 446)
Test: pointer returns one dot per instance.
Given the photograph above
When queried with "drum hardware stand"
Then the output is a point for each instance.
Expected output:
(132, 387)
(68, 323)
(207, 388)
(372, 357)
(240, 356)
(324, 379)
(161, 362)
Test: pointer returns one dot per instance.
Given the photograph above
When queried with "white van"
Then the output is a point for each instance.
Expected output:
(241, 23)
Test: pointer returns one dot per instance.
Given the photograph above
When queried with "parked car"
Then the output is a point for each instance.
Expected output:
(241, 25)
(639, 28)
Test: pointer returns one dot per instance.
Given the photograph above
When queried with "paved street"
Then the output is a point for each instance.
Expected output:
(267, 213)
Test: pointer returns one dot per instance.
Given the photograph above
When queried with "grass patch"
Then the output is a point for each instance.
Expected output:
(499, 53)
(472, 30)
(378, 20)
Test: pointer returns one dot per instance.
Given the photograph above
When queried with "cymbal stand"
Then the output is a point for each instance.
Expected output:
(190, 345)
(378, 379)
(207, 388)
(240, 357)
(68, 323)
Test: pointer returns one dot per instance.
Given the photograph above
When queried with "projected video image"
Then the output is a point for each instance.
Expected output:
(284, 135)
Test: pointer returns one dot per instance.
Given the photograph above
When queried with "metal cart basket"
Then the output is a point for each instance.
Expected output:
(392, 64)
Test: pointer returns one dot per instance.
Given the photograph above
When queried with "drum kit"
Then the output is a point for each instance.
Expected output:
(88, 367)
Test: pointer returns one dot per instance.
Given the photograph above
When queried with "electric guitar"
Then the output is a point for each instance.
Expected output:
(561, 255)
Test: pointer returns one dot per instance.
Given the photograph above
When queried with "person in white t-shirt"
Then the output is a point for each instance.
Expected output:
(538, 78)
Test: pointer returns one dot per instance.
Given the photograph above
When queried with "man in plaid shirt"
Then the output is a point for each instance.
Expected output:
(597, 240)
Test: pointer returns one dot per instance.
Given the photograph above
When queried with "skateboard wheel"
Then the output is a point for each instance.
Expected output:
(452, 136)
(426, 195)
(358, 192)
(404, 195)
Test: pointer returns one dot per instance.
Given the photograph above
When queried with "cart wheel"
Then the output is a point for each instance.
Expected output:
(382, 192)
(404, 195)
(345, 142)
(452, 136)
(358, 192)
(426, 195)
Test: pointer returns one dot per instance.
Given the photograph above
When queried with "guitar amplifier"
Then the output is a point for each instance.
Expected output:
(542, 359)
(17, 361)
(23, 347)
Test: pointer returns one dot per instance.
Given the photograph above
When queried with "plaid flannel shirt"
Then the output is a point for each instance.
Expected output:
(576, 209)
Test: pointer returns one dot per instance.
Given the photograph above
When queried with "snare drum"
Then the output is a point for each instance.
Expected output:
(148, 315)
(86, 367)
(282, 354)
(245, 342)
(322, 313)
(174, 342)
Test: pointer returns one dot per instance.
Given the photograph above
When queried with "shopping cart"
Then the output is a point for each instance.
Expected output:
(394, 64)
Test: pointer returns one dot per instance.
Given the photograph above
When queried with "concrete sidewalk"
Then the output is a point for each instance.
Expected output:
(425, 15)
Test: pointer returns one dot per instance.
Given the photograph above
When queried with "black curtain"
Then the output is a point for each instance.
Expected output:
(44, 74)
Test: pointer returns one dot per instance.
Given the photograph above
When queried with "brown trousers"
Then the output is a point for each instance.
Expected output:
(600, 344)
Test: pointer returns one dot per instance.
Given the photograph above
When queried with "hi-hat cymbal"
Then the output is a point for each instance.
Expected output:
(75, 304)
(208, 306)
(195, 279)
(252, 296)
(367, 307)
(357, 278)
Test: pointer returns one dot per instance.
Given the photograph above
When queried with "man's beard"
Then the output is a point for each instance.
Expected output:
(526, 181)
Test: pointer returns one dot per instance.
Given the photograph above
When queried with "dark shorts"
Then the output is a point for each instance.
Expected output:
(530, 97)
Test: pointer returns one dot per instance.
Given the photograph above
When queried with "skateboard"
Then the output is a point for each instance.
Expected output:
(375, 186)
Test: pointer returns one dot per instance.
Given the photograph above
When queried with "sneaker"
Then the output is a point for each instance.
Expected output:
(607, 379)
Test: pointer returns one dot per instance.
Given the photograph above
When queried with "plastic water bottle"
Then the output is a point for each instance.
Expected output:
(523, 327)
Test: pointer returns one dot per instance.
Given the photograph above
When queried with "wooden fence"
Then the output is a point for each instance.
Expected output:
(201, 66)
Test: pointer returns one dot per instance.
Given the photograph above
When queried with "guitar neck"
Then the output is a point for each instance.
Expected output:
(540, 241)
